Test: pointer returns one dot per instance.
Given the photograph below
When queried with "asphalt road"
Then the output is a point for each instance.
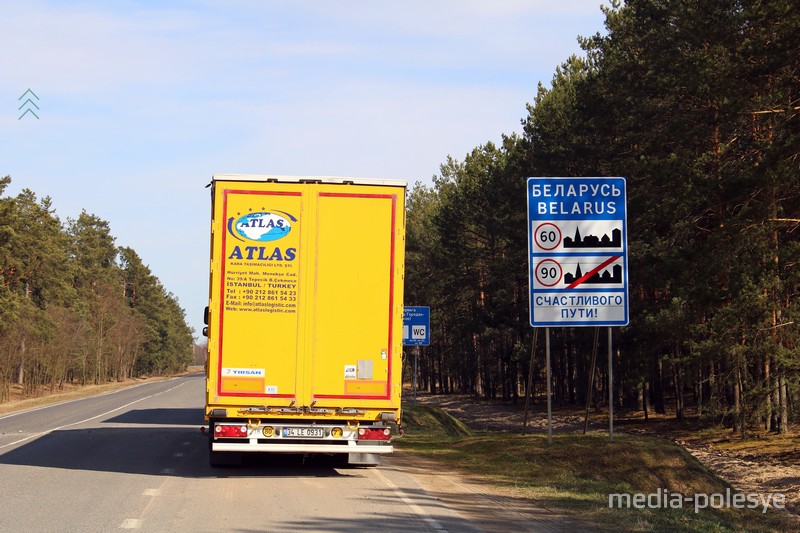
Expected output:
(135, 459)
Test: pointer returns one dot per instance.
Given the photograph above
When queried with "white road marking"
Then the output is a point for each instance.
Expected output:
(101, 415)
(48, 406)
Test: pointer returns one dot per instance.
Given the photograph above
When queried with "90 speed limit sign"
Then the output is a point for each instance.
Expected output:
(548, 273)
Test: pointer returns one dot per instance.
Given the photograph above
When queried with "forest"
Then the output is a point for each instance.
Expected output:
(74, 307)
(696, 104)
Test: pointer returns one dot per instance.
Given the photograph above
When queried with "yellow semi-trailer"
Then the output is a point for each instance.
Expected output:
(305, 316)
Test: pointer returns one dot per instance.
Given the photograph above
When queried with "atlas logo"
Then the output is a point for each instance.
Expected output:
(262, 226)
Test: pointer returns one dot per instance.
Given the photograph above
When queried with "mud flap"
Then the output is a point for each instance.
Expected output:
(364, 459)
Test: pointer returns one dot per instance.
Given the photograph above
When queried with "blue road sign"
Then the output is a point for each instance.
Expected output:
(416, 326)
(578, 251)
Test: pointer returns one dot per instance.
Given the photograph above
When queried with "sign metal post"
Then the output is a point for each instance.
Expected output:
(549, 388)
(416, 332)
(610, 389)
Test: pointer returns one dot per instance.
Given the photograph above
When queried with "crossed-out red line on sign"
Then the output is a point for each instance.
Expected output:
(593, 271)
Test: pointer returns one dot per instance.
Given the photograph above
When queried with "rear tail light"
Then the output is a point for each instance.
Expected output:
(230, 431)
(374, 433)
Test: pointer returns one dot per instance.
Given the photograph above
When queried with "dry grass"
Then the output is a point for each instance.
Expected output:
(577, 473)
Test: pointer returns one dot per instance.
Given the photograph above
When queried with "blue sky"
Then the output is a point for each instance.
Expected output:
(141, 102)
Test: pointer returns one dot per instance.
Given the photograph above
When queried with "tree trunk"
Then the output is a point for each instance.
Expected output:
(440, 373)
(737, 402)
(678, 393)
(571, 375)
(21, 369)
(774, 396)
(783, 427)
(769, 416)
(658, 387)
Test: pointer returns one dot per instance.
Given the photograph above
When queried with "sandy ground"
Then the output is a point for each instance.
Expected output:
(754, 474)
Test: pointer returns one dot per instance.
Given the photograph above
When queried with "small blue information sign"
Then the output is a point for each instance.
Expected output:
(416, 326)
(578, 251)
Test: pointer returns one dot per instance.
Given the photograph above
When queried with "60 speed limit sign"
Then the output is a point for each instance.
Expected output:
(547, 236)
(577, 244)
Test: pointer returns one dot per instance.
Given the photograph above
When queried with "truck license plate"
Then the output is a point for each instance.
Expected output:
(306, 433)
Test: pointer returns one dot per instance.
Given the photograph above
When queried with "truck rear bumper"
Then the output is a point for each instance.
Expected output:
(351, 447)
